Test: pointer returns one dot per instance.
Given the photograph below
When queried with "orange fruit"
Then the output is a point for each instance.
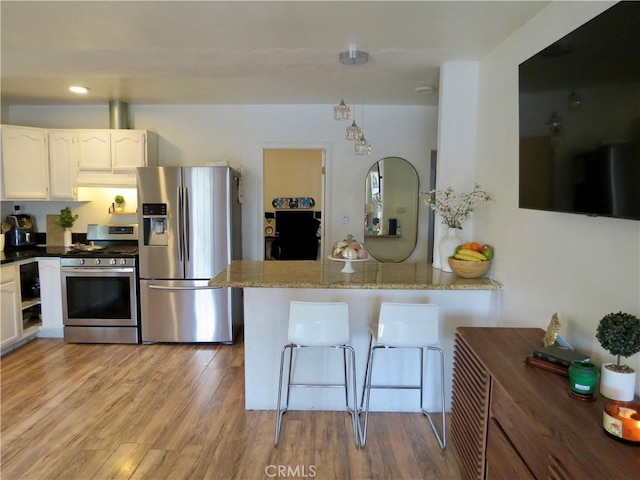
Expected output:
(474, 246)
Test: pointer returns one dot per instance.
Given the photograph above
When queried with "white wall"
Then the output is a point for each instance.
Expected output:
(200, 134)
(580, 267)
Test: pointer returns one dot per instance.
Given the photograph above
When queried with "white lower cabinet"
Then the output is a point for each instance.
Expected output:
(50, 298)
(11, 313)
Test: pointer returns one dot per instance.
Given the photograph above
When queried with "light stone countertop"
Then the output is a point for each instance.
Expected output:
(327, 274)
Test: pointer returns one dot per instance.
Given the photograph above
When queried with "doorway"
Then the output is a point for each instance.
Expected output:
(293, 183)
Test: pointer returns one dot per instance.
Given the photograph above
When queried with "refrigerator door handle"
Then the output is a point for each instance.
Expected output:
(187, 226)
(205, 287)
(180, 225)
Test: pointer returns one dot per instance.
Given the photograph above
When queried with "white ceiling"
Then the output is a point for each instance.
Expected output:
(211, 52)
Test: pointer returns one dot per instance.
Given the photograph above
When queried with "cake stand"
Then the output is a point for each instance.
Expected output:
(348, 264)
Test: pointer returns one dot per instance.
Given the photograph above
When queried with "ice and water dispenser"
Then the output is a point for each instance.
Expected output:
(155, 224)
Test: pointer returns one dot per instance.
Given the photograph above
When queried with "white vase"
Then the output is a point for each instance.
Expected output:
(66, 237)
(617, 385)
(447, 247)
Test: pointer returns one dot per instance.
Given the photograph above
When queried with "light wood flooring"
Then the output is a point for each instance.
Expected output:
(176, 412)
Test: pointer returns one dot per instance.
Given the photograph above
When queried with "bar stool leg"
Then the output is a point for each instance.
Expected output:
(442, 436)
(279, 410)
(366, 370)
(353, 411)
(366, 393)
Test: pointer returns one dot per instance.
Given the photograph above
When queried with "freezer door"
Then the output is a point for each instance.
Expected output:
(160, 186)
(207, 205)
(187, 312)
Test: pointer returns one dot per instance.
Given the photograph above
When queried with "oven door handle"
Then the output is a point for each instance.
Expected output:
(96, 270)
(204, 287)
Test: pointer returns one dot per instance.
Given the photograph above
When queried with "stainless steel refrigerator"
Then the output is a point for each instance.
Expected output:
(190, 229)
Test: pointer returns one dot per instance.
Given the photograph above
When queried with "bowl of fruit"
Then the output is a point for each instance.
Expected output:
(471, 260)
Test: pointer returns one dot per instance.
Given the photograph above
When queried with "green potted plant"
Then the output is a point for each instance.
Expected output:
(66, 220)
(119, 203)
(619, 334)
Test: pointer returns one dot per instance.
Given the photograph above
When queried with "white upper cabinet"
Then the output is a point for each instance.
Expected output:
(128, 150)
(24, 163)
(41, 164)
(63, 165)
(94, 149)
(110, 157)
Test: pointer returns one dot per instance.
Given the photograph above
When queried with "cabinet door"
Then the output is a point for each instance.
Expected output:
(51, 297)
(10, 310)
(128, 149)
(94, 150)
(24, 163)
(63, 165)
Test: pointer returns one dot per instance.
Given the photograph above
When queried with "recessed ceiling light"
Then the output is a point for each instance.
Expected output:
(77, 89)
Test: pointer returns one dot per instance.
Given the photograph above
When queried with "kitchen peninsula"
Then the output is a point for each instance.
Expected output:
(269, 286)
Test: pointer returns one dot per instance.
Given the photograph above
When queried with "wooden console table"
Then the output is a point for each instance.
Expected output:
(511, 420)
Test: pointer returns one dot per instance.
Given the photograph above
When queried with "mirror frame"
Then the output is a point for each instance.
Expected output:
(401, 235)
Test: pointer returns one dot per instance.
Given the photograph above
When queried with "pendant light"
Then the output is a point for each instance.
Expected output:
(362, 145)
(353, 58)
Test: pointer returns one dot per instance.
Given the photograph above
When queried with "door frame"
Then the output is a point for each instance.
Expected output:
(327, 162)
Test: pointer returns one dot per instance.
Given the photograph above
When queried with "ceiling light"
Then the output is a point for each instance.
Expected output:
(353, 131)
(354, 58)
(342, 111)
(362, 146)
(78, 89)
(574, 101)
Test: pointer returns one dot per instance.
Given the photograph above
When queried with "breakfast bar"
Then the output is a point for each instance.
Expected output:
(269, 286)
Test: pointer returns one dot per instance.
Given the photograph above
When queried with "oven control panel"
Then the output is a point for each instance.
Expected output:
(103, 262)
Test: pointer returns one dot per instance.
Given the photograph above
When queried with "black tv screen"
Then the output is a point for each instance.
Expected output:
(579, 108)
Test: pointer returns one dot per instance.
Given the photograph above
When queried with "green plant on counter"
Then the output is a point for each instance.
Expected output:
(66, 218)
(119, 199)
(619, 334)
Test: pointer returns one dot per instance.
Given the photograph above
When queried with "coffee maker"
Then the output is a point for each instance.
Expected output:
(22, 232)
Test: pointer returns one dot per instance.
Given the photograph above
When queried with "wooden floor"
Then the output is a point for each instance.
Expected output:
(177, 412)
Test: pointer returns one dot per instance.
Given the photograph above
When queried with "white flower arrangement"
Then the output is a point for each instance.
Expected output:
(455, 208)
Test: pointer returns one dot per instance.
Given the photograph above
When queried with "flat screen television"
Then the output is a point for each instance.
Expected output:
(579, 119)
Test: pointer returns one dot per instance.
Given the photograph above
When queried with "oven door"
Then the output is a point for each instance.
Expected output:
(99, 296)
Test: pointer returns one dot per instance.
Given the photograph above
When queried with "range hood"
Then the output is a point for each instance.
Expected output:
(118, 115)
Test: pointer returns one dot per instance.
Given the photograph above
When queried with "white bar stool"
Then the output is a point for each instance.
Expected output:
(318, 324)
(404, 325)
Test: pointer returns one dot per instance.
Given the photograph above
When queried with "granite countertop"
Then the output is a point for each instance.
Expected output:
(327, 274)
(19, 254)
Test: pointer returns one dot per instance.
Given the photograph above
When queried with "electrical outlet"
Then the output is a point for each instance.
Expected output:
(345, 218)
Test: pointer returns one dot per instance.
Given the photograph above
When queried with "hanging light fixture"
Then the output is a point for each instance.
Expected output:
(352, 58)
(353, 131)
(362, 145)
(574, 101)
(342, 111)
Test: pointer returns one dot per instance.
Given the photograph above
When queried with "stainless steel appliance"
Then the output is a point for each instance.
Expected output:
(23, 230)
(190, 230)
(100, 287)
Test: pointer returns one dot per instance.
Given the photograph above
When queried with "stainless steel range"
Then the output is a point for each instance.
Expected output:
(100, 287)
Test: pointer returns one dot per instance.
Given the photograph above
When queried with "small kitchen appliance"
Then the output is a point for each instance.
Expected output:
(100, 286)
(22, 232)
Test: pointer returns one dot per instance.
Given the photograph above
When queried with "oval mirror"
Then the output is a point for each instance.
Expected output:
(391, 209)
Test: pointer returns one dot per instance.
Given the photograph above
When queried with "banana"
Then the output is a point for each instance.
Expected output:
(468, 258)
(473, 253)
